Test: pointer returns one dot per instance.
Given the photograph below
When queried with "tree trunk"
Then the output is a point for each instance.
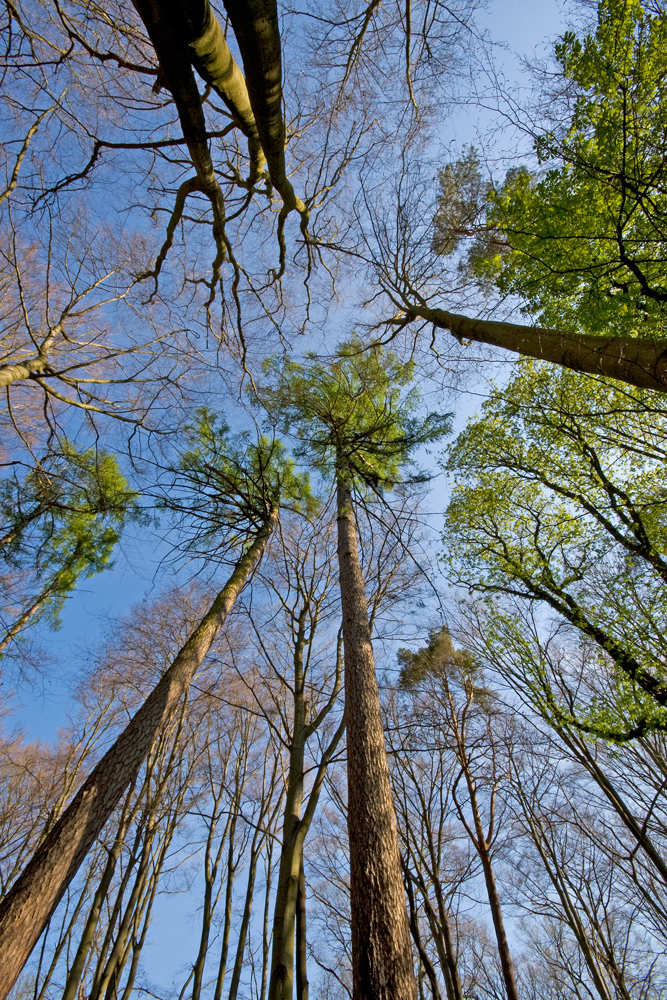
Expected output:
(27, 908)
(217, 67)
(635, 360)
(382, 967)
(301, 938)
(484, 851)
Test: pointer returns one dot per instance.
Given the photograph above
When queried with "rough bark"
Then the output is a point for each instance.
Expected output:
(636, 360)
(382, 967)
(27, 908)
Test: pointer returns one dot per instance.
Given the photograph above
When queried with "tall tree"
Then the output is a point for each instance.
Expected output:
(560, 503)
(352, 420)
(250, 485)
(582, 244)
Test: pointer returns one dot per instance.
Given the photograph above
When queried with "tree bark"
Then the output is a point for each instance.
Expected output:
(636, 360)
(168, 32)
(382, 967)
(482, 843)
(255, 24)
(216, 66)
(27, 908)
(301, 937)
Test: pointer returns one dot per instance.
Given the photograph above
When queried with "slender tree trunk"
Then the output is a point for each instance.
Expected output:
(229, 886)
(29, 613)
(255, 849)
(382, 966)
(27, 908)
(301, 938)
(416, 936)
(284, 913)
(88, 935)
(484, 852)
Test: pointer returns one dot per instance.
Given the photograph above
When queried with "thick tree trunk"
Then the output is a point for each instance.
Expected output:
(27, 908)
(637, 361)
(381, 952)
(216, 66)
(255, 24)
(168, 31)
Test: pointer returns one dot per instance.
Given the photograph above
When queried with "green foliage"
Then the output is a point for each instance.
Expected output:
(561, 500)
(353, 415)
(462, 201)
(63, 520)
(438, 657)
(229, 486)
(584, 244)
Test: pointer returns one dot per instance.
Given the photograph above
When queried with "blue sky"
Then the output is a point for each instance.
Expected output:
(527, 28)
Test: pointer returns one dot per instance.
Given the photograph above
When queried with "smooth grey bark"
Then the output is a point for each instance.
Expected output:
(296, 825)
(27, 908)
(635, 360)
(255, 24)
(216, 66)
(382, 966)
(168, 31)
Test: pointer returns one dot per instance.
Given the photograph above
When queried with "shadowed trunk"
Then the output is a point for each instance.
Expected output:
(27, 908)
(381, 951)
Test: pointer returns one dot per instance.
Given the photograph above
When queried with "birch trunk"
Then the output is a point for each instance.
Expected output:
(381, 952)
(27, 908)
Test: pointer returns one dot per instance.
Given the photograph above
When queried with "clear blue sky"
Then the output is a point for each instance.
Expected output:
(528, 28)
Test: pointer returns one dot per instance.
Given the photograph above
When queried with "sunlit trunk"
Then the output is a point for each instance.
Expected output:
(381, 951)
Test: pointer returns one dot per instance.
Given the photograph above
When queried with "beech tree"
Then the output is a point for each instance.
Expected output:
(559, 503)
(581, 244)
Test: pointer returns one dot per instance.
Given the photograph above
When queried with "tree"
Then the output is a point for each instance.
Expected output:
(352, 420)
(560, 503)
(582, 243)
(464, 708)
(60, 523)
(251, 484)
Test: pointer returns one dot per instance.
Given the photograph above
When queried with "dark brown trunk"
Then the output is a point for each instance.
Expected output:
(635, 360)
(382, 967)
(27, 908)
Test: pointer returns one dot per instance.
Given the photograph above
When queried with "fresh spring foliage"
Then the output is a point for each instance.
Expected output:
(353, 415)
(561, 500)
(582, 243)
(227, 486)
